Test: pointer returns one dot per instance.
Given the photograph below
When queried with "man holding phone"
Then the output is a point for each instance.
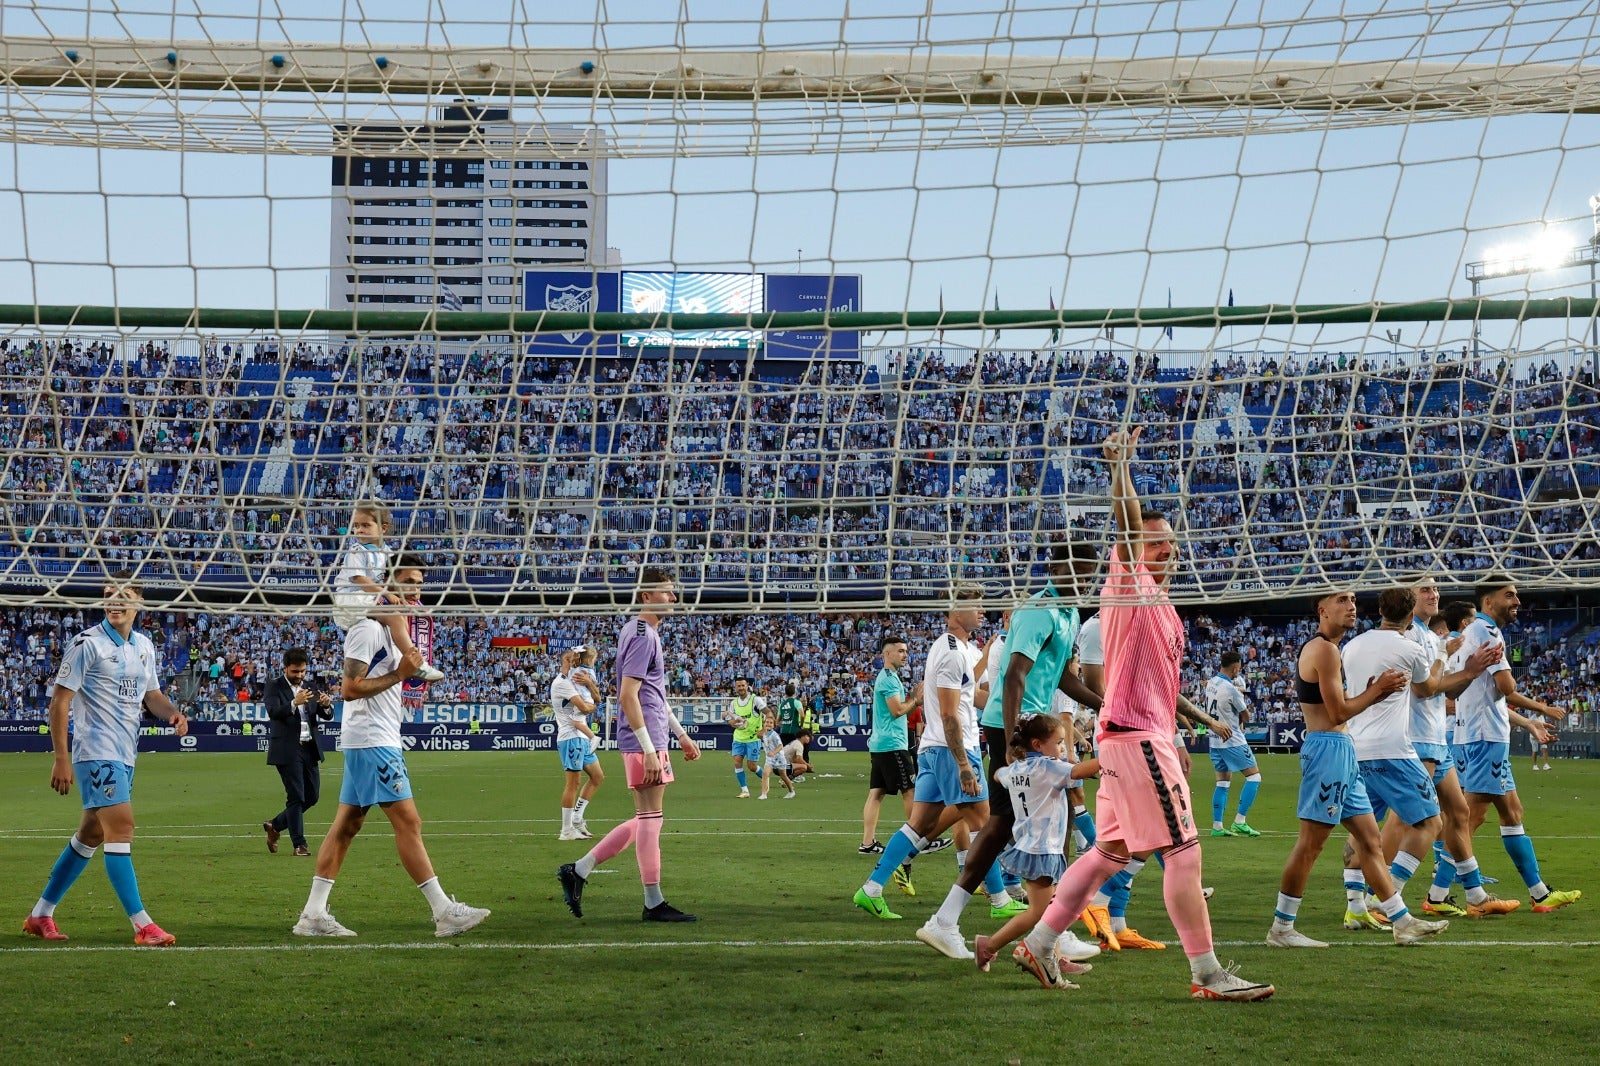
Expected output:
(293, 708)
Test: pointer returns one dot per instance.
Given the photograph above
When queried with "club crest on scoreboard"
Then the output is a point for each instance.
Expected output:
(572, 298)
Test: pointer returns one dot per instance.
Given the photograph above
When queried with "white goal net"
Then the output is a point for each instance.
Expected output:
(811, 304)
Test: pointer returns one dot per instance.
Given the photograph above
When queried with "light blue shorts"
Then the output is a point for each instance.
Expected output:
(939, 777)
(1485, 767)
(1330, 782)
(374, 775)
(1403, 786)
(1235, 757)
(1439, 755)
(103, 782)
(576, 754)
(749, 749)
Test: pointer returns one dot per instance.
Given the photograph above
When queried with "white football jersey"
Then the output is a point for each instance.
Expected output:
(109, 678)
(951, 665)
(1481, 712)
(1383, 731)
(375, 721)
(991, 672)
(567, 714)
(1090, 650)
(370, 561)
(1067, 709)
(1427, 715)
(1226, 704)
(1039, 795)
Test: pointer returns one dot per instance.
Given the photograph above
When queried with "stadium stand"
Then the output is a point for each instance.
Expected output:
(611, 462)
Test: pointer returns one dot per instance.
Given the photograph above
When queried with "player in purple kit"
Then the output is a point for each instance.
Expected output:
(642, 739)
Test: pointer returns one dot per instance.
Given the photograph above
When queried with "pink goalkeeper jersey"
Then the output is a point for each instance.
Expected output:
(1143, 638)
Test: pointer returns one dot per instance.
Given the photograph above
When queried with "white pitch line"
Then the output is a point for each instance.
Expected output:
(606, 945)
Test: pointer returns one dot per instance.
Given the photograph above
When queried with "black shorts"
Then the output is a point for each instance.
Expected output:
(994, 747)
(894, 772)
(789, 738)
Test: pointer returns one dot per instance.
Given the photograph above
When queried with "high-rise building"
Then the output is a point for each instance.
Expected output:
(450, 212)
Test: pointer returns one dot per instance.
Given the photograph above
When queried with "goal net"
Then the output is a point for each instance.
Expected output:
(816, 308)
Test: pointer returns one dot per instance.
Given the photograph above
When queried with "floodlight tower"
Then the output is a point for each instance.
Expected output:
(1540, 258)
(1594, 254)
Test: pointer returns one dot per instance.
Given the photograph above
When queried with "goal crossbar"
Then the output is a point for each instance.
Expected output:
(910, 77)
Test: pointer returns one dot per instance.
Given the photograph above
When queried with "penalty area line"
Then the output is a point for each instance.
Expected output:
(317, 944)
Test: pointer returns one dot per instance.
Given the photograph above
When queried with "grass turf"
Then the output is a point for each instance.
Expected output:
(780, 964)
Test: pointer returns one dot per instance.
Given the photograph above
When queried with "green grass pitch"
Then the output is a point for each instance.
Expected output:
(780, 967)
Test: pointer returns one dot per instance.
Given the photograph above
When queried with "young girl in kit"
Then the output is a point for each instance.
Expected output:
(1040, 780)
(359, 584)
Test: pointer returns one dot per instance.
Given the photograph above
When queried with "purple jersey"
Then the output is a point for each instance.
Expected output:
(639, 655)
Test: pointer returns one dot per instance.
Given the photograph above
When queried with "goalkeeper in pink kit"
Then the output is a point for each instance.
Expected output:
(1143, 800)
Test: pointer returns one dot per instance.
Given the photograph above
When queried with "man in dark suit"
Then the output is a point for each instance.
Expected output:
(292, 747)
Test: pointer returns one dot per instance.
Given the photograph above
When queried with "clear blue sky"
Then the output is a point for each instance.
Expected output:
(1316, 216)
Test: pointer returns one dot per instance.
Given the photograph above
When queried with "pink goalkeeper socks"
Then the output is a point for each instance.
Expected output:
(648, 843)
(1186, 901)
(615, 842)
(1078, 886)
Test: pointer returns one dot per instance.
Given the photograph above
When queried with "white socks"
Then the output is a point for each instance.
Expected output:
(317, 905)
(1393, 908)
(1288, 909)
(950, 911)
(1203, 966)
(435, 896)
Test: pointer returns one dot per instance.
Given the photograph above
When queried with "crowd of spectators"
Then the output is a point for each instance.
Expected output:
(240, 463)
(230, 464)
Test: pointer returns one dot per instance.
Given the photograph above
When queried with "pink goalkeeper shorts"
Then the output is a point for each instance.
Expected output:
(1143, 798)
(633, 768)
